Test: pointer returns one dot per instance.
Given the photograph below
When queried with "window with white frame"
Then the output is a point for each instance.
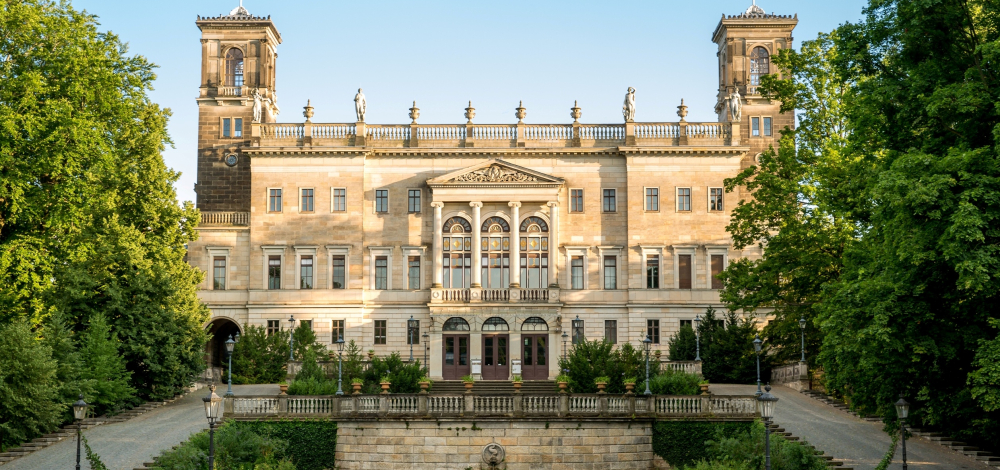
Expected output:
(715, 199)
(684, 266)
(610, 272)
(576, 200)
(611, 331)
(576, 266)
(767, 126)
(717, 257)
(576, 271)
(755, 126)
(337, 256)
(380, 268)
(652, 202)
(274, 257)
(412, 256)
(306, 272)
(652, 271)
(274, 200)
(337, 331)
(683, 199)
(338, 200)
(307, 200)
(381, 272)
(219, 258)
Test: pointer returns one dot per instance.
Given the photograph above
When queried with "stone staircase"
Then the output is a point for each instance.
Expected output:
(495, 387)
(830, 461)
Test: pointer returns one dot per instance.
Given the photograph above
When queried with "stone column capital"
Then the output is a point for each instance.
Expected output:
(552, 204)
(476, 204)
(437, 205)
(514, 204)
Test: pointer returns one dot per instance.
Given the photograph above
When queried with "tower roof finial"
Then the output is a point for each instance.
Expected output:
(239, 11)
(754, 9)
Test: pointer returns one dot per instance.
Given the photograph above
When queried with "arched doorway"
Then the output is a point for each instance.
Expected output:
(219, 330)
(455, 342)
(535, 344)
(495, 354)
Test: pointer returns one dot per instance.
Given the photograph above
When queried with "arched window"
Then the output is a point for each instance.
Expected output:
(234, 67)
(495, 324)
(457, 225)
(455, 324)
(495, 224)
(534, 224)
(534, 324)
(760, 64)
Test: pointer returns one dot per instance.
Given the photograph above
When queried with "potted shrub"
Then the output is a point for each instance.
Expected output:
(563, 381)
(601, 382)
(385, 383)
(629, 385)
(468, 380)
(371, 354)
(356, 384)
(703, 387)
(657, 354)
(516, 380)
(283, 386)
(425, 383)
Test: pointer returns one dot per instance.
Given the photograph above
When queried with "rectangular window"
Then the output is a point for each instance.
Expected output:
(767, 126)
(381, 273)
(308, 324)
(576, 265)
(608, 200)
(227, 127)
(652, 199)
(274, 272)
(686, 323)
(274, 200)
(273, 326)
(413, 272)
(238, 127)
(755, 127)
(219, 273)
(653, 272)
(306, 272)
(684, 271)
(683, 199)
(653, 330)
(576, 200)
(610, 272)
(413, 201)
(611, 331)
(338, 331)
(380, 331)
(307, 201)
(715, 199)
(381, 200)
(413, 332)
(339, 273)
(339, 201)
(578, 334)
(717, 262)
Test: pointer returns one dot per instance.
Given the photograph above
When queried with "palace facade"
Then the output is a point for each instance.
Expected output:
(487, 248)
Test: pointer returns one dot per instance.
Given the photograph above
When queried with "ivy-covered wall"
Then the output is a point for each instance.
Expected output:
(683, 442)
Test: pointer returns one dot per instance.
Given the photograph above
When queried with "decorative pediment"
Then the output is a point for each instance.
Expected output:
(495, 171)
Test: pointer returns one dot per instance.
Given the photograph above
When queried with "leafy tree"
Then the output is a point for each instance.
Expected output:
(103, 368)
(746, 451)
(59, 338)
(30, 403)
(310, 368)
(727, 350)
(985, 379)
(259, 358)
(683, 346)
(305, 340)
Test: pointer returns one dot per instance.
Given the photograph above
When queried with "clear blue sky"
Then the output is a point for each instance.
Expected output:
(443, 54)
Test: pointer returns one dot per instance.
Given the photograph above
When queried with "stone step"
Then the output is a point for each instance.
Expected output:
(988, 458)
(963, 448)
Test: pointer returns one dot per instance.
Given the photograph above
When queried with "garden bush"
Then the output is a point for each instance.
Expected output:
(671, 382)
(259, 358)
(405, 377)
(682, 346)
(683, 443)
(236, 447)
(591, 359)
(747, 447)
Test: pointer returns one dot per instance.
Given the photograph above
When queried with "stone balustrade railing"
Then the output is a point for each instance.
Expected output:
(467, 405)
(794, 375)
(691, 367)
(225, 218)
(361, 134)
(519, 295)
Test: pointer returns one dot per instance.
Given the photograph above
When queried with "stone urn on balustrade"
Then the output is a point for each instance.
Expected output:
(356, 386)
(602, 383)
(629, 388)
(283, 388)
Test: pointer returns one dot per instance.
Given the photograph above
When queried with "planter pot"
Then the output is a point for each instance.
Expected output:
(424, 386)
(284, 388)
(629, 388)
(703, 388)
(468, 385)
(385, 387)
(562, 386)
(601, 386)
(357, 388)
(517, 386)
(371, 356)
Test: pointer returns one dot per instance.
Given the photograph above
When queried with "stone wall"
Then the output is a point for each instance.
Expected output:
(794, 375)
(551, 444)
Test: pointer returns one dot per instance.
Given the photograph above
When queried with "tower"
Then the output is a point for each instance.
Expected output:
(747, 42)
(238, 57)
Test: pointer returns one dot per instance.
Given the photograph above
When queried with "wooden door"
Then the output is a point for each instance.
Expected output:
(455, 356)
(496, 357)
(534, 357)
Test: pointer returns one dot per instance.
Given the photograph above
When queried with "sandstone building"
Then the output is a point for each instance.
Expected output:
(502, 242)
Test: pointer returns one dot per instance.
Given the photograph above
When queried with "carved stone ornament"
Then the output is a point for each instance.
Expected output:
(493, 454)
(520, 112)
(682, 110)
(232, 159)
(470, 112)
(575, 112)
(496, 174)
(414, 113)
(628, 108)
(308, 110)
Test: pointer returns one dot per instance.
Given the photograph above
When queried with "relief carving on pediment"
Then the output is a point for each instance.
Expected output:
(496, 174)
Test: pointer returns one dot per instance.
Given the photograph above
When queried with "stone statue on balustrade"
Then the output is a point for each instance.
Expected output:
(256, 105)
(628, 109)
(735, 106)
(360, 105)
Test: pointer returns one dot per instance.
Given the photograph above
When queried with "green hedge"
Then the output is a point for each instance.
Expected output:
(683, 442)
(312, 445)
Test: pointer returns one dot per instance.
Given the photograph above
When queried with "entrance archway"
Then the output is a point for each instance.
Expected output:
(219, 329)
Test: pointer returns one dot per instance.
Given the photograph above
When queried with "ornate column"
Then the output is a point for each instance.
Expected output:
(438, 240)
(515, 244)
(553, 243)
(476, 246)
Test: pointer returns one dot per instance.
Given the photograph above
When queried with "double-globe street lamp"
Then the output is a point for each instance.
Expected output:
(412, 329)
(79, 412)
(230, 344)
(291, 337)
(697, 338)
(646, 344)
(340, 364)
(802, 326)
(767, 402)
(903, 411)
(213, 410)
(756, 346)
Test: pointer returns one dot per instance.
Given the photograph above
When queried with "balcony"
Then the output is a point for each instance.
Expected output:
(537, 296)
(221, 219)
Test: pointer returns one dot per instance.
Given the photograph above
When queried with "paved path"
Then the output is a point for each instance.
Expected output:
(859, 444)
(126, 445)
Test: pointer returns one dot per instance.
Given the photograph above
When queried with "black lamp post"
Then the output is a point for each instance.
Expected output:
(427, 350)
(767, 402)
(697, 338)
(903, 411)
(291, 337)
(802, 326)
(756, 346)
(229, 355)
(411, 333)
(213, 407)
(564, 337)
(79, 412)
(340, 364)
(646, 344)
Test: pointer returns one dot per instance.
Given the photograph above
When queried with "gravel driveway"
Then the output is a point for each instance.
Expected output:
(124, 446)
(859, 444)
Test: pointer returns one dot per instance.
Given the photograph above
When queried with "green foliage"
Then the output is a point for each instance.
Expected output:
(92, 457)
(313, 386)
(310, 368)
(29, 391)
(259, 358)
(683, 442)
(404, 377)
(671, 382)
(727, 350)
(985, 379)
(236, 447)
(682, 346)
(589, 360)
(305, 341)
(104, 369)
(312, 445)
(353, 360)
(747, 448)
(60, 339)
